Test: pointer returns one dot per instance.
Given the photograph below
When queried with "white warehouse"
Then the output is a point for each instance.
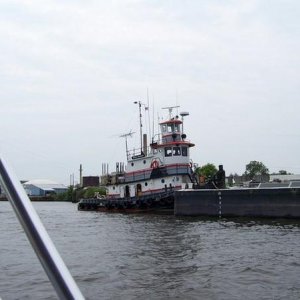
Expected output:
(43, 187)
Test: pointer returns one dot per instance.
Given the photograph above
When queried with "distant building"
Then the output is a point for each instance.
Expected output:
(245, 180)
(42, 187)
(90, 181)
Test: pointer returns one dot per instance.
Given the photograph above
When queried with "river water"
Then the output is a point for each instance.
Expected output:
(127, 256)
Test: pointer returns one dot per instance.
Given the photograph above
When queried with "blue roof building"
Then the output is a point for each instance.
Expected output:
(42, 187)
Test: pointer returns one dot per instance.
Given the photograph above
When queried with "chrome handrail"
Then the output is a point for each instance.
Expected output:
(42, 244)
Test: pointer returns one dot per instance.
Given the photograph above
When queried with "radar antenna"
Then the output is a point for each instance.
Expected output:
(126, 135)
(184, 114)
(170, 108)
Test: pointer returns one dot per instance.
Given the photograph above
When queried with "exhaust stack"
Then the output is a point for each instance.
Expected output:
(145, 144)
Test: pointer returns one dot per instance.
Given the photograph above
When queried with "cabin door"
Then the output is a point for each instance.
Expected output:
(127, 191)
(138, 190)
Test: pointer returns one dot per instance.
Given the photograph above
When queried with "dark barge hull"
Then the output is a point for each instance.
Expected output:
(245, 202)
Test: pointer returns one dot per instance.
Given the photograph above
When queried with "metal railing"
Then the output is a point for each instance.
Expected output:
(42, 244)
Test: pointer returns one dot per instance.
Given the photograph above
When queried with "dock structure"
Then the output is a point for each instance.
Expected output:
(244, 202)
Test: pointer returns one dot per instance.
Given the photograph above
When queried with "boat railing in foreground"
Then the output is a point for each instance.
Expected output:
(42, 244)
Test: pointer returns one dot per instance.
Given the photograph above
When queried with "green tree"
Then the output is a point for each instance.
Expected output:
(284, 172)
(256, 168)
(207, 170)
(90, 192)
(65, 196)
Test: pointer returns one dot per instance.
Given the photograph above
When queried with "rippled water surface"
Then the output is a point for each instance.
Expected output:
(118, 256)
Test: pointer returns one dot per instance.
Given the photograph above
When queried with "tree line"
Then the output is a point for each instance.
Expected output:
(252, 169)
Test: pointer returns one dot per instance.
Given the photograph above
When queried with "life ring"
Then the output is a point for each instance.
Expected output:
(154, 164)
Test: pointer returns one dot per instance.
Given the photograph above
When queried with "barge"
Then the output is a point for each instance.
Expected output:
(266, 200)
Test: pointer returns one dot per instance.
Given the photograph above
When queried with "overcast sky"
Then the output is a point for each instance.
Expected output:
(70, 71)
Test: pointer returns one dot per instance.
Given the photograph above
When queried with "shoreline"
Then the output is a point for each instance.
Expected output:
(38, 199)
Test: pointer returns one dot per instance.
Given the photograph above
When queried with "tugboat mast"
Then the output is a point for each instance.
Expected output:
(141, 125)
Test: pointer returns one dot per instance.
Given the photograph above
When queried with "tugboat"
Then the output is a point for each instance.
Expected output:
(153, 173)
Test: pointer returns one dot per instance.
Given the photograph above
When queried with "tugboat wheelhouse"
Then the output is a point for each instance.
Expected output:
(153, 172)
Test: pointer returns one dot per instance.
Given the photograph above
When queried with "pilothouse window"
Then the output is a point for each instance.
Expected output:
(163, 128)
(176, 151)
(184, 151)
(170, 128)
(168, 151)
